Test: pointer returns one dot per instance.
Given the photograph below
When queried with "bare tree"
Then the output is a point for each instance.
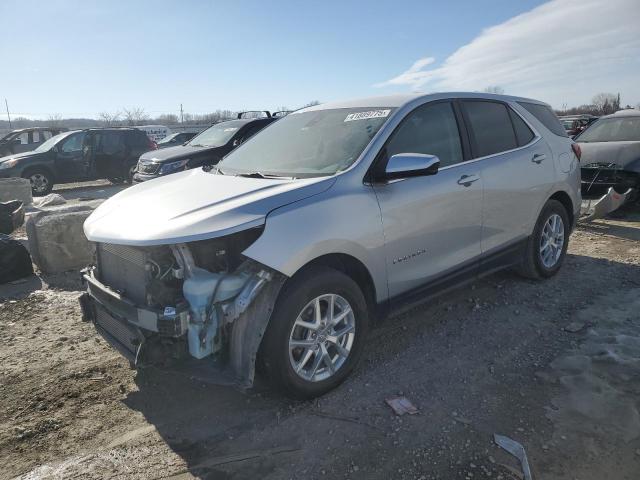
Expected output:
(168, 119)
(109, 119)
(54, 120)
(135, 115)
(497, 89)
(606, 103)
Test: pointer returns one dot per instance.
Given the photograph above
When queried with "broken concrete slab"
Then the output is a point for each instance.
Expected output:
(15, 189)
(56, 239)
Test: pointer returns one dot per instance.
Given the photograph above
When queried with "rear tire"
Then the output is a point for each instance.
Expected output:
(310, 348)
(547, 246)
(41, 181)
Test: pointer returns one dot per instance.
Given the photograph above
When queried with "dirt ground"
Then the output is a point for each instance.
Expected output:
(554, 365)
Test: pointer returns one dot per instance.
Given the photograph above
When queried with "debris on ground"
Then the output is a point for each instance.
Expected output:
(401, 405)
(15, 261)
(517, 450)
(593, 209)
(50, 200)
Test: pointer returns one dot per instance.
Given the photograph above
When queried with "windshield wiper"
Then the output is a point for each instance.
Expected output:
(262, 175)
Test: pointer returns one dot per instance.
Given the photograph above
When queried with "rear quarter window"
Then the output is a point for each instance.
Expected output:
(523, 133)
(546, 117)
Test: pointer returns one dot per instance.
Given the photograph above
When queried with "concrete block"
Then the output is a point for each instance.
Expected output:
(16, 189)
(56, 239)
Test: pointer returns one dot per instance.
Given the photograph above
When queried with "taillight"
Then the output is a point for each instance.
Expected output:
(577, 150)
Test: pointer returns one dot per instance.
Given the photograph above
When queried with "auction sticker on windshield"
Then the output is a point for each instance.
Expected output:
(366, 115)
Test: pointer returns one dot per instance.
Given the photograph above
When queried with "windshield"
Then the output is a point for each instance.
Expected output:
(308, 144)
(168, 138)
(623, 129)
(567, 124)
(46, 146)
(217, 135)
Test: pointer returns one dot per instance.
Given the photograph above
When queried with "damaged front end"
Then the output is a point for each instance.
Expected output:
(200, 306)
(605, 188)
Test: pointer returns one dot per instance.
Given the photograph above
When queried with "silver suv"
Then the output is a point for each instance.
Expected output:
(285, 253)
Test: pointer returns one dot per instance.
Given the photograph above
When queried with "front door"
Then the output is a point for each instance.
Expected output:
(432, 224)
(73, 157)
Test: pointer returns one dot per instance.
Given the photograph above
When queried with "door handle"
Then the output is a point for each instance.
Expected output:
(467, 180)
(538, 158)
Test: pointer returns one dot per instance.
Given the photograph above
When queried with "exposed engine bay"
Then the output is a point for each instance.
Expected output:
(168, 305)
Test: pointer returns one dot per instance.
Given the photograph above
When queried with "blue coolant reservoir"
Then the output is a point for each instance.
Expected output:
(198, 290)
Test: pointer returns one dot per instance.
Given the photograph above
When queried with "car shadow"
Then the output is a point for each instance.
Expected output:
(197, 420)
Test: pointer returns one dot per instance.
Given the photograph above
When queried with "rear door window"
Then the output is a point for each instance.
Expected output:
(546, 117)
(491, 130)
(109, 143)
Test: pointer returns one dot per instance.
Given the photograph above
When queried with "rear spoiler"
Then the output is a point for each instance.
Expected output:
(267, 112)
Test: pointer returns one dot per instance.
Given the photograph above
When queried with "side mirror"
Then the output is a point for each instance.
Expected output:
(403, 165)
(17, 141)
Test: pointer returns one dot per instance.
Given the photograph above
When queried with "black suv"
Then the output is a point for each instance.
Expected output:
(175, 139)
(26, 139)
(79, 155)
(205, 149)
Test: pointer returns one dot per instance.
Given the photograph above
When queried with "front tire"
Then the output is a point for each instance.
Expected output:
(316, 334)
(41, 181)
(547, 246)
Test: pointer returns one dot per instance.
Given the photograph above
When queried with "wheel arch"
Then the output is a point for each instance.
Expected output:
(564, 198)
(353, 268)
(38, 166)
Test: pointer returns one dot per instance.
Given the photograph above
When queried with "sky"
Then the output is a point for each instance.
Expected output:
(77, 58)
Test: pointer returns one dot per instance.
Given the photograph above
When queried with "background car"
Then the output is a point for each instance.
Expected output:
(78, 155)
(611, 153)
(205, 149)
(175, 139)
(574, 124)
(26, 139)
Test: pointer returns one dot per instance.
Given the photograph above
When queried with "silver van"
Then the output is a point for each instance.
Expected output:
(284, 255)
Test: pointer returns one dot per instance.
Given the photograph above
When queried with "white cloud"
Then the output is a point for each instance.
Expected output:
(563, 51)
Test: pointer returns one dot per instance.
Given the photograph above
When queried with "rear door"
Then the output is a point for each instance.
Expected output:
(73, 157)
(517, 169)
(432, 224)
(109, 154)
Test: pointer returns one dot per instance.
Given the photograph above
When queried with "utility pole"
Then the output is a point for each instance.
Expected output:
(181, 114)
(8, 116)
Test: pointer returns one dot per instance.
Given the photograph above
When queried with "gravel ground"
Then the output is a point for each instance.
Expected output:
(554, 365)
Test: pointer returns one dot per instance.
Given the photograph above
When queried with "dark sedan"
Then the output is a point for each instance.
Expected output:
(611, 153)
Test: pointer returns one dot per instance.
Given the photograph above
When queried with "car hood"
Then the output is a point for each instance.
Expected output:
(22, 155)
(193, 205)
(618, 153)
(178, 152)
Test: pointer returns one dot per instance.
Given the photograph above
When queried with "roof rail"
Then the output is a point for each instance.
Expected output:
(267, 112)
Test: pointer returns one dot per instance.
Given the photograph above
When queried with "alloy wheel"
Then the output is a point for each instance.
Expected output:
(39, 183)
(322, 337)
(552, 241)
